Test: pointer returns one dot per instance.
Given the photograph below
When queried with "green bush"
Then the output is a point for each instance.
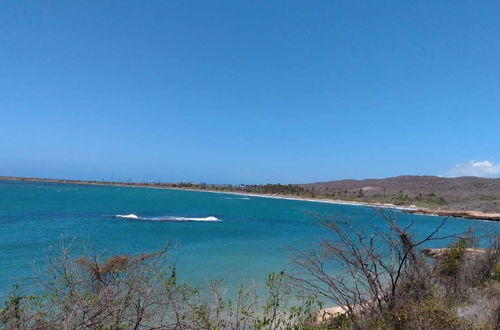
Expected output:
(450, 264)
(495, 274)
(340, 322)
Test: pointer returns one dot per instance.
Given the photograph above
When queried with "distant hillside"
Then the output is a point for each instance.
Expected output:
(464, 193)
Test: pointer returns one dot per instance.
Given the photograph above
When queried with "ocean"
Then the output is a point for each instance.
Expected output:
(212, 236)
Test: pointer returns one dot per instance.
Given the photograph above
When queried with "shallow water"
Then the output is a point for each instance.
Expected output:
(216, 236)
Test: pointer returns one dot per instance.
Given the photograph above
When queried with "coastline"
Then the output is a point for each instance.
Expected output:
(411, 209)
(458, 214)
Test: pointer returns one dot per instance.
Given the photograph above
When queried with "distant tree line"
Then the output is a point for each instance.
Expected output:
(273, 189)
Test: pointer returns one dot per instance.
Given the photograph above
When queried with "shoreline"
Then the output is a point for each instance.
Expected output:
(475, 215)
(411, 209)
(153, 186)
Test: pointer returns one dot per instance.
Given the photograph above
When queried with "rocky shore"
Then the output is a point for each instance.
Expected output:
(457, 214)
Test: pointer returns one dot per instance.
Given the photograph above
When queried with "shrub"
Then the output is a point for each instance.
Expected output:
(495, 274)
(450, 264)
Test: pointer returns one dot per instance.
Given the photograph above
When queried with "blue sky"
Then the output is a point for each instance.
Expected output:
(249, 91)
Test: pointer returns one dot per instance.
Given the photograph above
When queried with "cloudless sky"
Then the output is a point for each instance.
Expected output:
(247, 91)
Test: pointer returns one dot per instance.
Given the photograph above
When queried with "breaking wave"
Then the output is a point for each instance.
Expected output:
(127, 216)
(166, 218)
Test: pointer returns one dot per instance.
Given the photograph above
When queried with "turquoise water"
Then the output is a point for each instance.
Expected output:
(254, 235)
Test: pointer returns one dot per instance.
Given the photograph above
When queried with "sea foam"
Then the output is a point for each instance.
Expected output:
(127, 216)
(166, 218)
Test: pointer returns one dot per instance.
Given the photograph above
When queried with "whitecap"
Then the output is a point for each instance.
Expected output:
(172, 218)
(166, 218)
(127, 216)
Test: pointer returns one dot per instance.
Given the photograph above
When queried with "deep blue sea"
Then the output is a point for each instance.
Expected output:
(214, 236)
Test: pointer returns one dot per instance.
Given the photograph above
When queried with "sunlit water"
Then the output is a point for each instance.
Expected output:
(216, 236)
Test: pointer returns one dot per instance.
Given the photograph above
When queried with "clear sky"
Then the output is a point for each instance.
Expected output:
(249, 91)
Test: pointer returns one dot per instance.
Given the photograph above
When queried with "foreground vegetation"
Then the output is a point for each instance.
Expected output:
(385, 283)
